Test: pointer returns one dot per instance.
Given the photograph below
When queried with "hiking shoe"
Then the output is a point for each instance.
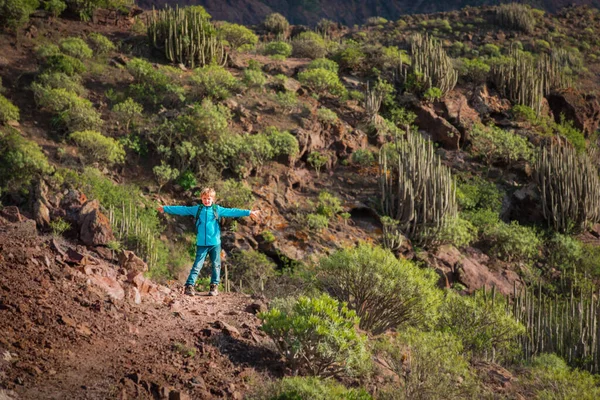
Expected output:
(189, 290)
(213, 290)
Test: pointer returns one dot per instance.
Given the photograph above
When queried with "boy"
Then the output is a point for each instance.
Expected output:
(208, 238)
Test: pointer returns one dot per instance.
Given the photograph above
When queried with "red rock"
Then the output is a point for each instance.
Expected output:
(94, 227)
(583, 109)
(11, 213)
(109, 285)
(131, 262)
(440, 130)
(227, 329)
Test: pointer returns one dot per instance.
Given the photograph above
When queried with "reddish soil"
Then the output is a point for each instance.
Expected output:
(63, 338)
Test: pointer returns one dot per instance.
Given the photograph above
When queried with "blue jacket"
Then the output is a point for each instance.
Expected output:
(207, 225)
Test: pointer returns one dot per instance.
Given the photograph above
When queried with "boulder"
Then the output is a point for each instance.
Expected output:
(41, 206)
(470, 270)
(485, 102)
(440, 130)
(455, 108)
(109, 285)
(132, 263)
(94, 227)
(583, 109)
(525, 205)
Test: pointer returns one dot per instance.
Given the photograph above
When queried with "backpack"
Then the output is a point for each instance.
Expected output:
(214, 207)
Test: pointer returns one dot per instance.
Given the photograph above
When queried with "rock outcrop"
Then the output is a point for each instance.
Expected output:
(583, 109)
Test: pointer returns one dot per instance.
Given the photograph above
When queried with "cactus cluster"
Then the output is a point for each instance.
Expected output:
(569, 186)
(186, 37)
(431, 65)
(515, 16)
(417, 190)
(526, 81)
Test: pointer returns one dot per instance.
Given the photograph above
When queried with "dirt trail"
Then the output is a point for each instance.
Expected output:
(62, 338)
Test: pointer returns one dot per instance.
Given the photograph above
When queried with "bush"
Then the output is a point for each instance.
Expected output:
(473, 70)
(287, 100)
(155, 87)
(308, 388)
(384, 291)
(328, 205)
(278, 49)
(283, 143)
(564, 252)
(317, 336)
(317, 222)
(458, 232)
(432, 94)
(59, 226)
(363, 157)
(15, 13)
(8, 111)
(479, 194)
(235, 194)
(324, 63)
(572, 134)
(60, 80)
(309, 45)
(427, 361)
(254, 79)
(238, 36)
(551, 379)
(187, 180)
(484, 327)
(99, 148)
(47, 50)
(322, 81)
(71, 111)
(163, 174)
(127, 111)
(317, 160)
(252, 268)
(327, 116)
(276, 23)
(21, 161)
(496, 144)
(100, 43)
(55, 7)
(76, 47)
(63, 63)
(515, 16)
(214, 81)
(351, 57)
(513, 242)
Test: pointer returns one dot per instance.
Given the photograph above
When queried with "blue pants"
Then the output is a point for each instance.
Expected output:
(215, 258)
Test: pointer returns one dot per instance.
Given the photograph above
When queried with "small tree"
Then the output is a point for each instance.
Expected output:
(276, 23)
(317, 336)
(238, 36)
(127, 111)
(163, 174)
(317, 160)
(99, 148)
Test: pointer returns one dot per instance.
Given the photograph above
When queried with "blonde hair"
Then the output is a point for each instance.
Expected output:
(209, 191)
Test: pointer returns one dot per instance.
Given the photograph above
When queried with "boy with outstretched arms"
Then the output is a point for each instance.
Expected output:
(208, 237)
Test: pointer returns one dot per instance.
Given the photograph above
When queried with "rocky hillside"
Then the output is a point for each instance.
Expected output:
(349, 13)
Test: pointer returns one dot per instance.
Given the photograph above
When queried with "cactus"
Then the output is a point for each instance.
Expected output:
(515, 16)
(431, 65)
(525, 81)
(569, 185)
(417, 190)
(186, 37)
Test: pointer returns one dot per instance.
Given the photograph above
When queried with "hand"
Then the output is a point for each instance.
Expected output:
(160, 209)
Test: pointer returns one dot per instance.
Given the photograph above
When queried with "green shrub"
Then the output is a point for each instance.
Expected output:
(252, 268)
(283, 143)
(75, 47)
(483, 219)
(164, 174)
(154, 87)
(63, 63)
(100, 43)
(99, 148)
(8, 111)
(254, 79)
(317, 222)
(308, 388)
(71, 111)
(317, 160)
(589, 264)
(550, 378)
(495, 144)
(287, 100)
(572, 134)
(128, 111)
(15, 13)
(473, 70)
(458, 232)
(491, 50)
(324, 63)
(484, 327)
(479, 194)
(317, 336)
(276, 23)
(432, 94)
(55, 7)
(309, 45)
(351, 57)
(513, 242)
(214, 81)
(425, 362)
(363, 157)
(47, 50)
(251, 152)
(327, 116)
(321, 81)
(187, 180)
(60, 80)
(328, 205)
(385, 292)
(235, 194)
(21, 161)
(565, 252)
(278, 49)
(238, 36)
(515, 16)
(59, 226)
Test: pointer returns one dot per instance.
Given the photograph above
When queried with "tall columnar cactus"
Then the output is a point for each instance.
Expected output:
(431, 64)
(515, 16)
(569, 185)
(186, 37)
(524, 80)
(417, 190)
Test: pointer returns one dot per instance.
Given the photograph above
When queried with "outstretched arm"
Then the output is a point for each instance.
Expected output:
(232, 212)
(178, 210)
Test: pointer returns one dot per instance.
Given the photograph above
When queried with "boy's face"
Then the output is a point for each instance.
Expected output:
(207, 200)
